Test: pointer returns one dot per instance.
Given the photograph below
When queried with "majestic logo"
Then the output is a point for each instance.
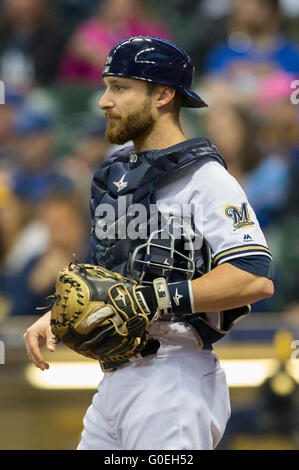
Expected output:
(121, 184)
(239, 215)
(177, 297)
(247, 238)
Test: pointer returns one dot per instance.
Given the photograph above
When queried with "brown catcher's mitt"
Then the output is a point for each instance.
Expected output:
(101, 314)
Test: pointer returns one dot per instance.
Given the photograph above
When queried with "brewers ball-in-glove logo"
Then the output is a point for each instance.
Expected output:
(107, 64)
(101, 314)
(239, 215)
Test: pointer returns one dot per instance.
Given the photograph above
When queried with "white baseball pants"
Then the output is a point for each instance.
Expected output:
(175, 400)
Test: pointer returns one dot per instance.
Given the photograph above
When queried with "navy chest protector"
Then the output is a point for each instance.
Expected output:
(126, 182)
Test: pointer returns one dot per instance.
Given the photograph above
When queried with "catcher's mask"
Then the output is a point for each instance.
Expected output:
(170, 252)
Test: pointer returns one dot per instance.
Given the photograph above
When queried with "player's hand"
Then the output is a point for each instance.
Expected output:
(37, 335)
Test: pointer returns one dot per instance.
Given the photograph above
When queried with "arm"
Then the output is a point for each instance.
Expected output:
(238, 247)
(37, 335)
(227, 287)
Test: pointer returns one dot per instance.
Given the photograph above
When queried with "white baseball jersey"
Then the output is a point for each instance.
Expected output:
(178, 398)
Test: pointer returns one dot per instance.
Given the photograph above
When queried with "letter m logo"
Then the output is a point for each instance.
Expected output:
(239, 215)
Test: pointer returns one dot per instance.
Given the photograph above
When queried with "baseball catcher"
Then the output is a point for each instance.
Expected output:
(149, 307)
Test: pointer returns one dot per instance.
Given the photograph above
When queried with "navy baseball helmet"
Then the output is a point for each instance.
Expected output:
(154, 60)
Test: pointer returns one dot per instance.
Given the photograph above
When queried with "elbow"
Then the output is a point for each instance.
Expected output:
(266, 288)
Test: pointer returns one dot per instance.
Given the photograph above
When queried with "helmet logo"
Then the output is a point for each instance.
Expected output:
(146, 59)
(107, 64)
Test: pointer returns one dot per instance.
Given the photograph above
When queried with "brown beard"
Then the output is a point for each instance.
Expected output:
(131, 126)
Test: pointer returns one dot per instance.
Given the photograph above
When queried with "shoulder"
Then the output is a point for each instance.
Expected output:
(212, 182)
(206, 171)
(203, 178)
(209, 166)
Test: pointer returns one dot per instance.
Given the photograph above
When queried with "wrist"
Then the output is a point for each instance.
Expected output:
(182, 300)
(174, 299)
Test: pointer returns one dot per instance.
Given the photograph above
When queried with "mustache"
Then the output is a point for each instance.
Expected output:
(110, 115)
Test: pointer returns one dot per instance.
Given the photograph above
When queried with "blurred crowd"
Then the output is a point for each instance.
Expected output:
(52, 134)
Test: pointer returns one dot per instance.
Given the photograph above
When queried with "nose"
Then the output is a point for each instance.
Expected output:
(105, 101)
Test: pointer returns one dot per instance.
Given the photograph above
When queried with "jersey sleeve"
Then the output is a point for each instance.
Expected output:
(222, 212)
(229, 222)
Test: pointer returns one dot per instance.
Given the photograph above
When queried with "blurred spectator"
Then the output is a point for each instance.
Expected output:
(254, 47)
(286, 255)
(235, 132)
(34, 176)
(280, 135)
(31, 43)
(63, 218)
(89, 152)
(90, 44)
(290, 7)
(21, 237)
(278, 115)
(293, 195)
(8, 111)
(15, 217)
(199, 26)
(73, 12)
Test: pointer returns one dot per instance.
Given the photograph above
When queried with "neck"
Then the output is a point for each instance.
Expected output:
(164, 133)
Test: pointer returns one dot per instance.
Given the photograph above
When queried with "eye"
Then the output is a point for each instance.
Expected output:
(118, 87)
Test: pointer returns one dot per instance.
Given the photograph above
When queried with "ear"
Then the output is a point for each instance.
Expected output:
(164, 95)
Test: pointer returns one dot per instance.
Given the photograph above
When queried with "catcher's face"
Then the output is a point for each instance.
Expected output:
(128, 109)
